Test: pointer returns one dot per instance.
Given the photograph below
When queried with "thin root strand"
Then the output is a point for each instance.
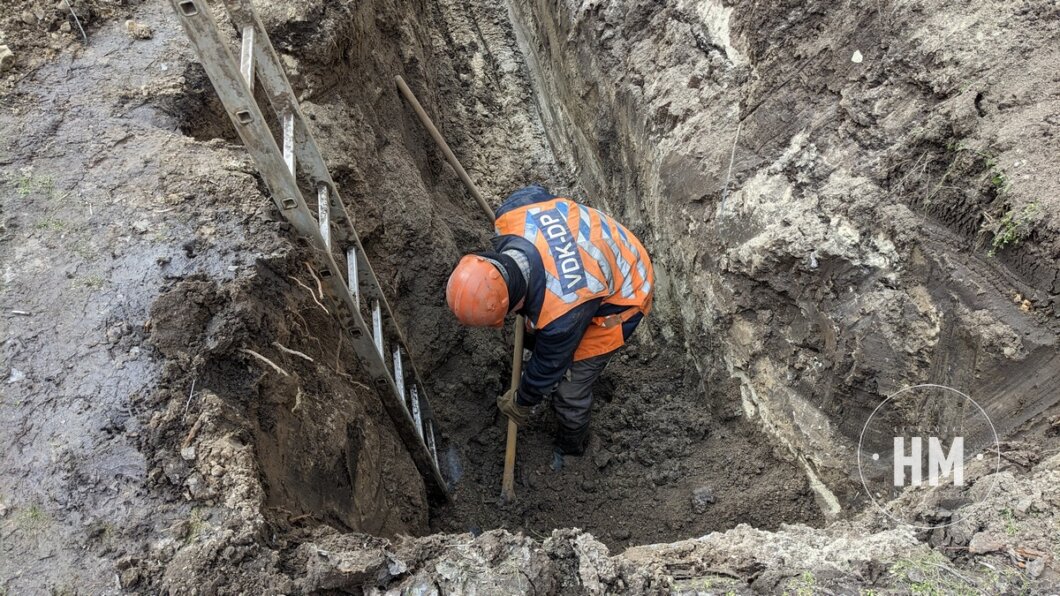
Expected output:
(274, 366)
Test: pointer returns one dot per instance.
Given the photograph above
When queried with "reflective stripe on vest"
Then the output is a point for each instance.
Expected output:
(586, 255)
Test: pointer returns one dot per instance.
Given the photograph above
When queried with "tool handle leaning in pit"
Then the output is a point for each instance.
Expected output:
(443, 146)
(508, 481)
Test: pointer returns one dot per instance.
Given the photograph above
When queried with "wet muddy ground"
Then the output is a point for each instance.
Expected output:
(670, 457)
(140, 255)
(142, 450)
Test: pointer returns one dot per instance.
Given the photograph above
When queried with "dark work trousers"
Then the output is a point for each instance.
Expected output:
(573, 400)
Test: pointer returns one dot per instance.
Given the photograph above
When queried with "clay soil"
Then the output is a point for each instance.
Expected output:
(166, 421)
(656, 441)
(144, 449)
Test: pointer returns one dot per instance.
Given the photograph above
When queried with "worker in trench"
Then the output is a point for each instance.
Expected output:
(582, 281)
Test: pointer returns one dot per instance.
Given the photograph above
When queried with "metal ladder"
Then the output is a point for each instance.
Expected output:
(393, 373)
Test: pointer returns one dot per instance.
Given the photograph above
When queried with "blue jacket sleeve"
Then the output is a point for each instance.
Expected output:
(535, 193)
(553, 353)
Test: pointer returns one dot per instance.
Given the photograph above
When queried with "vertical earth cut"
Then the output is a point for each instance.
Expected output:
(843, 200)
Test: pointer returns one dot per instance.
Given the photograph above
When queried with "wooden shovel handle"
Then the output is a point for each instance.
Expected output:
(508, 482)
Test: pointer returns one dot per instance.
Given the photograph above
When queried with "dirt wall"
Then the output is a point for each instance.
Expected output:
(145, 448)
(128, 178)
(414, 220)
(143, 261)
(859, 245)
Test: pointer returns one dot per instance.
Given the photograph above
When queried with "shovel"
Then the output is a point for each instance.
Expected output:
(508, 480)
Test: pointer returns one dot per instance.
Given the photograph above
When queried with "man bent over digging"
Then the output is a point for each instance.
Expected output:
(583, 282)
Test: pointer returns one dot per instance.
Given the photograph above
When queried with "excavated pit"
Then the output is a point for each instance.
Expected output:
(721, 412)
(826, 230)
(666, 440)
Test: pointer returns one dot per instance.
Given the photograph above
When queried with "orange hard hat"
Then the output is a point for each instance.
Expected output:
(477, 293)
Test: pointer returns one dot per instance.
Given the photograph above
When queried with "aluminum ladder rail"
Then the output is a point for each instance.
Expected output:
(331, 231)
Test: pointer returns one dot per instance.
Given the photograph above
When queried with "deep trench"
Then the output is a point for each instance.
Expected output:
(676, 451)
(672, 455)
(143, 435)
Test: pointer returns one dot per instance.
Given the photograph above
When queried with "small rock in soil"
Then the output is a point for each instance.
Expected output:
(7, 58)
(1036, 567)
(174, 471)
(984, 542)
(129, 578)
(196, 486)
(702, 497)
(1024, 505)
(138, 30)
(601, 459)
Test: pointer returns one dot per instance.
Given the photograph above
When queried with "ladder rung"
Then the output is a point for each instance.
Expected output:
(430, 442)
(377, 326)
(399, 376)
(324, 213)
(416, 416)
(288, 140)
(351, 275)
(246, 57)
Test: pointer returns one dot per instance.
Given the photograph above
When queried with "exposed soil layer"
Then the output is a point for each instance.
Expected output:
(180, 414)
(1006, 543)
(140, 265)
(656, 421)
(846, 200)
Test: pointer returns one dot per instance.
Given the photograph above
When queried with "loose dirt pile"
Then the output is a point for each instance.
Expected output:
(145, 448)
(1004, 544)
(663, 463)
(36, 33)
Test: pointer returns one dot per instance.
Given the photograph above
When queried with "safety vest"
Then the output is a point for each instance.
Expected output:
(586, 255)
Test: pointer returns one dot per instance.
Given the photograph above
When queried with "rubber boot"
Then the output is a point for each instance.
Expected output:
(572, 443)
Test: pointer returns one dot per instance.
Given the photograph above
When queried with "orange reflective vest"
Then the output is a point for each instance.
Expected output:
(586, 255)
